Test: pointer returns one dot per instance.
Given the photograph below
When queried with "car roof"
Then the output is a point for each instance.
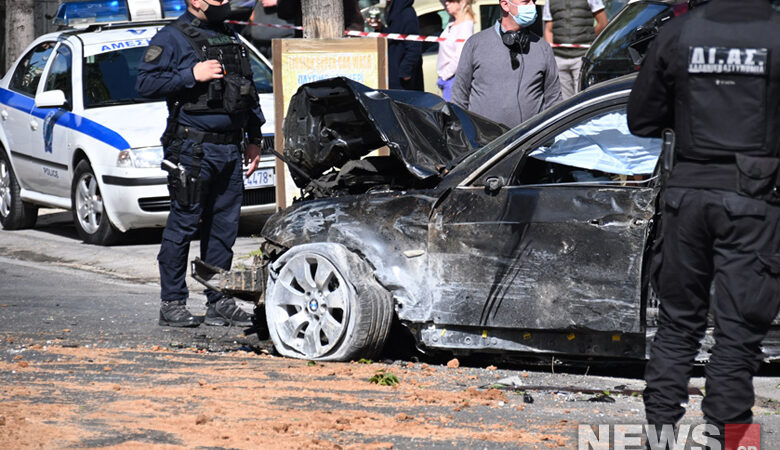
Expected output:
(616, 84)
(120, 38)
(129, 31)
(95, 37)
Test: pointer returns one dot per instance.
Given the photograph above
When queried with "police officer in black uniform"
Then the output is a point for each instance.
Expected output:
(203, 71)
(713, 76)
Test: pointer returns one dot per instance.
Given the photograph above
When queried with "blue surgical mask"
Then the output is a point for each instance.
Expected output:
(526, 14)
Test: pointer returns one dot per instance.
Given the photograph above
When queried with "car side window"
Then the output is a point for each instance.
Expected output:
(59, 76)
(598, 149)
(28, 73)
(432, 24)
(109, 78)
(261, 75)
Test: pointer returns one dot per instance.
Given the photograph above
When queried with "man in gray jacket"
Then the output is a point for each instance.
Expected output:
(507, 73)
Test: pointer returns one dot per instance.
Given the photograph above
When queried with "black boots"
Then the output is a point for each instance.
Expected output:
(175, 314)
(221, 313)
(225, 312)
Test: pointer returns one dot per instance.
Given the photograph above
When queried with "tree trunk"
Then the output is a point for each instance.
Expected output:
(19, 28)
(323, 19)
(2, 34)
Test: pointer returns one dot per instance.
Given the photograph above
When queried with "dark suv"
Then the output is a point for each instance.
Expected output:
(619, 48)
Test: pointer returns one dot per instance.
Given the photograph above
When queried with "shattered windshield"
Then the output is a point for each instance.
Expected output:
(603, 143)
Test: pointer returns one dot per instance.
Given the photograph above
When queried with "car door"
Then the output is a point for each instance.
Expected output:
(17, 102)
(552, 236)
(49, 139)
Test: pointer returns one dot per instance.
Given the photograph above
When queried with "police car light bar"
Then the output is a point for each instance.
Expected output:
(87, 12)
(173, 8)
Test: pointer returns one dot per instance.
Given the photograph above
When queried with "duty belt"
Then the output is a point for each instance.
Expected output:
(197, 136)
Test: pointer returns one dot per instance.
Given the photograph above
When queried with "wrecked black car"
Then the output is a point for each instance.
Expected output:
(534, 240)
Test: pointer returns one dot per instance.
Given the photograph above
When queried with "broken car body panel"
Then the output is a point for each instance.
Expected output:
(537, 242)
(333, 121)
(389, 230)
(564, 258)
(519, 248)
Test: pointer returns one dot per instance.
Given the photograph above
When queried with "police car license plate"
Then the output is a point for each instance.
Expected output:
(260, 178)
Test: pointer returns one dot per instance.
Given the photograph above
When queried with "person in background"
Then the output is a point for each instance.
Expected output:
(449, 51)
(265, 11)
(571, 22)
(404, 57)
(506, 72)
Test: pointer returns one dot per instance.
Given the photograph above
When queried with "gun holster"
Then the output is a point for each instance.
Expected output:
(184, 185)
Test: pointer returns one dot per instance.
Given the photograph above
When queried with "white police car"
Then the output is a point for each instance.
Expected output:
(75, 134)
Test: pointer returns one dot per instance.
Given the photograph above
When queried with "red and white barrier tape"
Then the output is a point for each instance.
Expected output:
(272, 25)
(571, 45)
(400, 37)
(375, 34)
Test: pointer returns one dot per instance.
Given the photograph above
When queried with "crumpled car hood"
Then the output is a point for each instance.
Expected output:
(337, 120)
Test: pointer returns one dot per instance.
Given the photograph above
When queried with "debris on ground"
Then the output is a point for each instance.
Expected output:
(602, 397)
(383, 378)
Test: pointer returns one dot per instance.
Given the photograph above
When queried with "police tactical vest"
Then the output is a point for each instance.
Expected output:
(729, 88)
(572, 24)
(235, 93)
(729, 91)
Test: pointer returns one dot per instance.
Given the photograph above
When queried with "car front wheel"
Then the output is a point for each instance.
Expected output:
(323, 303)
(15, 214)
(92, 223)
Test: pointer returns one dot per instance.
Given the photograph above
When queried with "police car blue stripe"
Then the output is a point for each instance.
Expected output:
(16, 101)
(69, 120)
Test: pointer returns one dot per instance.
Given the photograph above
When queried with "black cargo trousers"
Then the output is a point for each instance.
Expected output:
(713, 236)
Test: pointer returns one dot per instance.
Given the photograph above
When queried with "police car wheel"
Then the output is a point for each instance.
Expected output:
(323, 303)
(15, 214)
(89, 216)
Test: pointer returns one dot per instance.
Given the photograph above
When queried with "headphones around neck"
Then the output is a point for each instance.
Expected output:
(518, 40)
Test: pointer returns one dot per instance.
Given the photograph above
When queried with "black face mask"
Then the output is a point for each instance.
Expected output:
(217, 14)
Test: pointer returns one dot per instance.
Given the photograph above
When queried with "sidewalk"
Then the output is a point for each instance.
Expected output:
(54, 240)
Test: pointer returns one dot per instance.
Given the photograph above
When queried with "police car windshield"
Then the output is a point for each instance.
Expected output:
(109, 78)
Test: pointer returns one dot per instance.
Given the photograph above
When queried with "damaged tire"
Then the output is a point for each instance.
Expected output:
(323, 303)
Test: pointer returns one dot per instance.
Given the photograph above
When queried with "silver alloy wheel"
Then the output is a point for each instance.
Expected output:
(310, 305)
(5, 188)
(89, 203)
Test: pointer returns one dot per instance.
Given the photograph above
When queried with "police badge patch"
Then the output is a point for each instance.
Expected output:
(735, 61)
(152, 53)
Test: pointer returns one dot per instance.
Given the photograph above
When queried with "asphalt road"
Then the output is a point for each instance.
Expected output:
(84, 364)
(51, 281)
(44, 303)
